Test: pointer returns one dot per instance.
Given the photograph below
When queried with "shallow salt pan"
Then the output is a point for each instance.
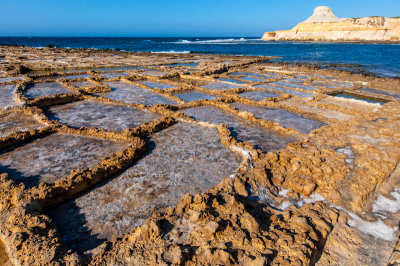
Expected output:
(3, 80)
(194, 96)
(292, 85)
(258, 95)
(159, 85)
(53, 157)
(97, 114)
(17, 122)
(112, 75)
(232, 81)
(284, 118)
(43, 89)
(219, 86)
(359, 97)
(184, 158)
(134, 95)
(287, 91)
(242, 130)
(381, 92)
(7, 96)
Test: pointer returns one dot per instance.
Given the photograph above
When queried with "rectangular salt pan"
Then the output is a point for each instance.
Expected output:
(287, 91)
(153, 85)
(258, 95)
(53, 157)
(292, 85)
(184, 158)
(194, 96)
(7, 96)
(232, 81)
(134, 95)
(242, 130)
(97, 114)
(220, 86)
(43, 89)
(284, 118)
(17, 122)
(114, 75)
(359, 97)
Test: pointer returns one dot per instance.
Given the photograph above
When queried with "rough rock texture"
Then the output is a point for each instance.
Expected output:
(329, 196)
(323, 25)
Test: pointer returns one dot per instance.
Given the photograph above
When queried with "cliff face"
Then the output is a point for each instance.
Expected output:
(323, 25)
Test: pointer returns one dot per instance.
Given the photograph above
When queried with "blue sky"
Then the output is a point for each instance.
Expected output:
(173, 18)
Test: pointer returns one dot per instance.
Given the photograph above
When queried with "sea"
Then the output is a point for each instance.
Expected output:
(378, 59)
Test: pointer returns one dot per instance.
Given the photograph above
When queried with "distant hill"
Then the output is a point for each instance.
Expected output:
(323, 25)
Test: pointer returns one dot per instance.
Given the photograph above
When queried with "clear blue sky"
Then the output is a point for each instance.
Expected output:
(183, 18)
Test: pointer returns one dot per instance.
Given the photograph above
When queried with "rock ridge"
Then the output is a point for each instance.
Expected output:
(323, 25)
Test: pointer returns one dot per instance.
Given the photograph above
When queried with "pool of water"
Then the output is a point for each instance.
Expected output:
(241, 129)
(74, 77)
(258, 95)
(53, 157)
(17, 122)
(45, 88)
(194, 96)
(284, 118)
(97, 114)
(81, 84)
(263, 76)
(184, 65)
(251, 79)
(184, 158)
(134, 95)
(359, 97)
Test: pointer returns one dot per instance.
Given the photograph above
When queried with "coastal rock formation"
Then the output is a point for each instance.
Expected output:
(323, 25)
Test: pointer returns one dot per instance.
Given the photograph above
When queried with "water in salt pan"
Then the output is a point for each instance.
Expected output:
(220, 86)
(194, 96)
(153, 85)
(183, 65)
(7, 96)
(359, 97)
(185, 158)
(292, 85)
(252, 79)
(287, 91)
(258, 95)
(232, 81)
(134, 95)
(17, 122)
(53, 157)
(74, 77)
(242, 130)
(97, 114)
(43, 89)
(112, 75)
(381, 92)
(284, 118)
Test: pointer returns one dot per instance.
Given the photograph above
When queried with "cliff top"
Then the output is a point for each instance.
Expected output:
(322, 14)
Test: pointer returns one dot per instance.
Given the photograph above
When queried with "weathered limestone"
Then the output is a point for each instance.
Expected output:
(323, 25)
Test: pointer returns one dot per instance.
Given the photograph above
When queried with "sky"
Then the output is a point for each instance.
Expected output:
(171, 18)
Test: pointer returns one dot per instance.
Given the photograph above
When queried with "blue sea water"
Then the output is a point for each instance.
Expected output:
(380, 59)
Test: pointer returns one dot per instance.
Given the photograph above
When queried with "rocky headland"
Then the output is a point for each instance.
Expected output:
(323, 25)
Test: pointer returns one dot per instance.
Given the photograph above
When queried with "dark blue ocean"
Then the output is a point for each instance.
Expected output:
(380, 59)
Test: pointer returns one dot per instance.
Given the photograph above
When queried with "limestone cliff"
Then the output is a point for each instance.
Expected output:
(323, 25)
